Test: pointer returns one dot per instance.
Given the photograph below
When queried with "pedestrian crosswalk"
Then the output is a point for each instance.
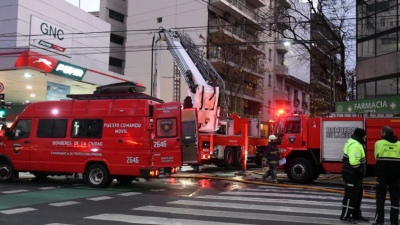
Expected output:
(253, 205)
(260, 205)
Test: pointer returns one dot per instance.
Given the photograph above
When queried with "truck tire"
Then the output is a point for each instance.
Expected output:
(300, 171)
(228, 157)
(237, 157)
(125, 179)
(7, 172)
(97, 176)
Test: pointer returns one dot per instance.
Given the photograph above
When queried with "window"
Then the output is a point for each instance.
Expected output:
(117, 39)
(116, 15)
(370, 89)
(281, 58)
(52, 128)
(269, 80)
(159, 20)
(167, 127)
(189, 131)
(116, 62)
(270, 54)
(87, 128)
(292, 125)
(296, 94)
(386, 87)
(22, 129)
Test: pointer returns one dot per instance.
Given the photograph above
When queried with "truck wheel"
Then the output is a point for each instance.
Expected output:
(237, 157)
(125, 179)
(97, 176)
(7, 172)
(300, 171)
(228, 157)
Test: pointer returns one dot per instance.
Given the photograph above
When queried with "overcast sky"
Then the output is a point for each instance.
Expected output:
(87, 5)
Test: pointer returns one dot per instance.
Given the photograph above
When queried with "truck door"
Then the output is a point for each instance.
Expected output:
(167, 145)
(292, 132)
(17, 144)
(190, 137)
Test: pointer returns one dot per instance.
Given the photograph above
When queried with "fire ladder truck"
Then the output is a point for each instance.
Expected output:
(242, 137)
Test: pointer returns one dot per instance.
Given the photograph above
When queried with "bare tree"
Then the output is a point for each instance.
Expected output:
(351, 84)
(294, 20)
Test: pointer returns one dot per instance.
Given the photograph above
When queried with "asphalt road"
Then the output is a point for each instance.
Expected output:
(172, 201)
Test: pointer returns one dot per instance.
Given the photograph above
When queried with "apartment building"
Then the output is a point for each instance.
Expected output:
(234, 36)
(325, 64)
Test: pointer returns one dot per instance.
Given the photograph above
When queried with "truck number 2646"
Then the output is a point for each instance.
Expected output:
(132, 160)
(160, 144)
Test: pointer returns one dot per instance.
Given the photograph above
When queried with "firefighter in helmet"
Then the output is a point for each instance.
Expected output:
(353, 172)
(271, 153)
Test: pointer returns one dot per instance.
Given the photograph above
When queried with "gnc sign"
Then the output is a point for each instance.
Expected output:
(50, 36)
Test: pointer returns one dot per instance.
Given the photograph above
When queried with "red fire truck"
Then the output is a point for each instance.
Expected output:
(239, 139)
(314, 146)
(116, 132)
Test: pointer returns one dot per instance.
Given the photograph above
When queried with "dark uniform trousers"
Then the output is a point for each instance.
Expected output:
(353, 191)
(381, 188)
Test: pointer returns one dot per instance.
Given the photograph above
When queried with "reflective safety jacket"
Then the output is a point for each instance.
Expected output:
(387, 155)
(354, 162)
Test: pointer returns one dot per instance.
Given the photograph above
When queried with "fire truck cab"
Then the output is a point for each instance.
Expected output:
(117, 132)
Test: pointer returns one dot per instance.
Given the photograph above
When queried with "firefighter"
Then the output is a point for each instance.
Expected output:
(387, 155)
(353, 172)
(271, 153)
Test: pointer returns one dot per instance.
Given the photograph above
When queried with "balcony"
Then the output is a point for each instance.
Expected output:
(257, 3)
(216, 24)
(281, 70)
(217, 58)
(237, 33)
(237, 9)
(321, 80)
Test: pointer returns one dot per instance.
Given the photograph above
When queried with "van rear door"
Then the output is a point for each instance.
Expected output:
(167, 148)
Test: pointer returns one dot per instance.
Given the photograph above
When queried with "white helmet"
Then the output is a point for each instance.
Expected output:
(272, 137)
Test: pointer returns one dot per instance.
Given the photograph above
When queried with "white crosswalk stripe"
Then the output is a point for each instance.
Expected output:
(259, 205)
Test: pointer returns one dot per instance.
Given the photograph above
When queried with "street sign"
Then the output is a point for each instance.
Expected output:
(1, 87)
(2, 97)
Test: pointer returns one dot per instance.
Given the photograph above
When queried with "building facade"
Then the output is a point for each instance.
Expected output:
(378, 55)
